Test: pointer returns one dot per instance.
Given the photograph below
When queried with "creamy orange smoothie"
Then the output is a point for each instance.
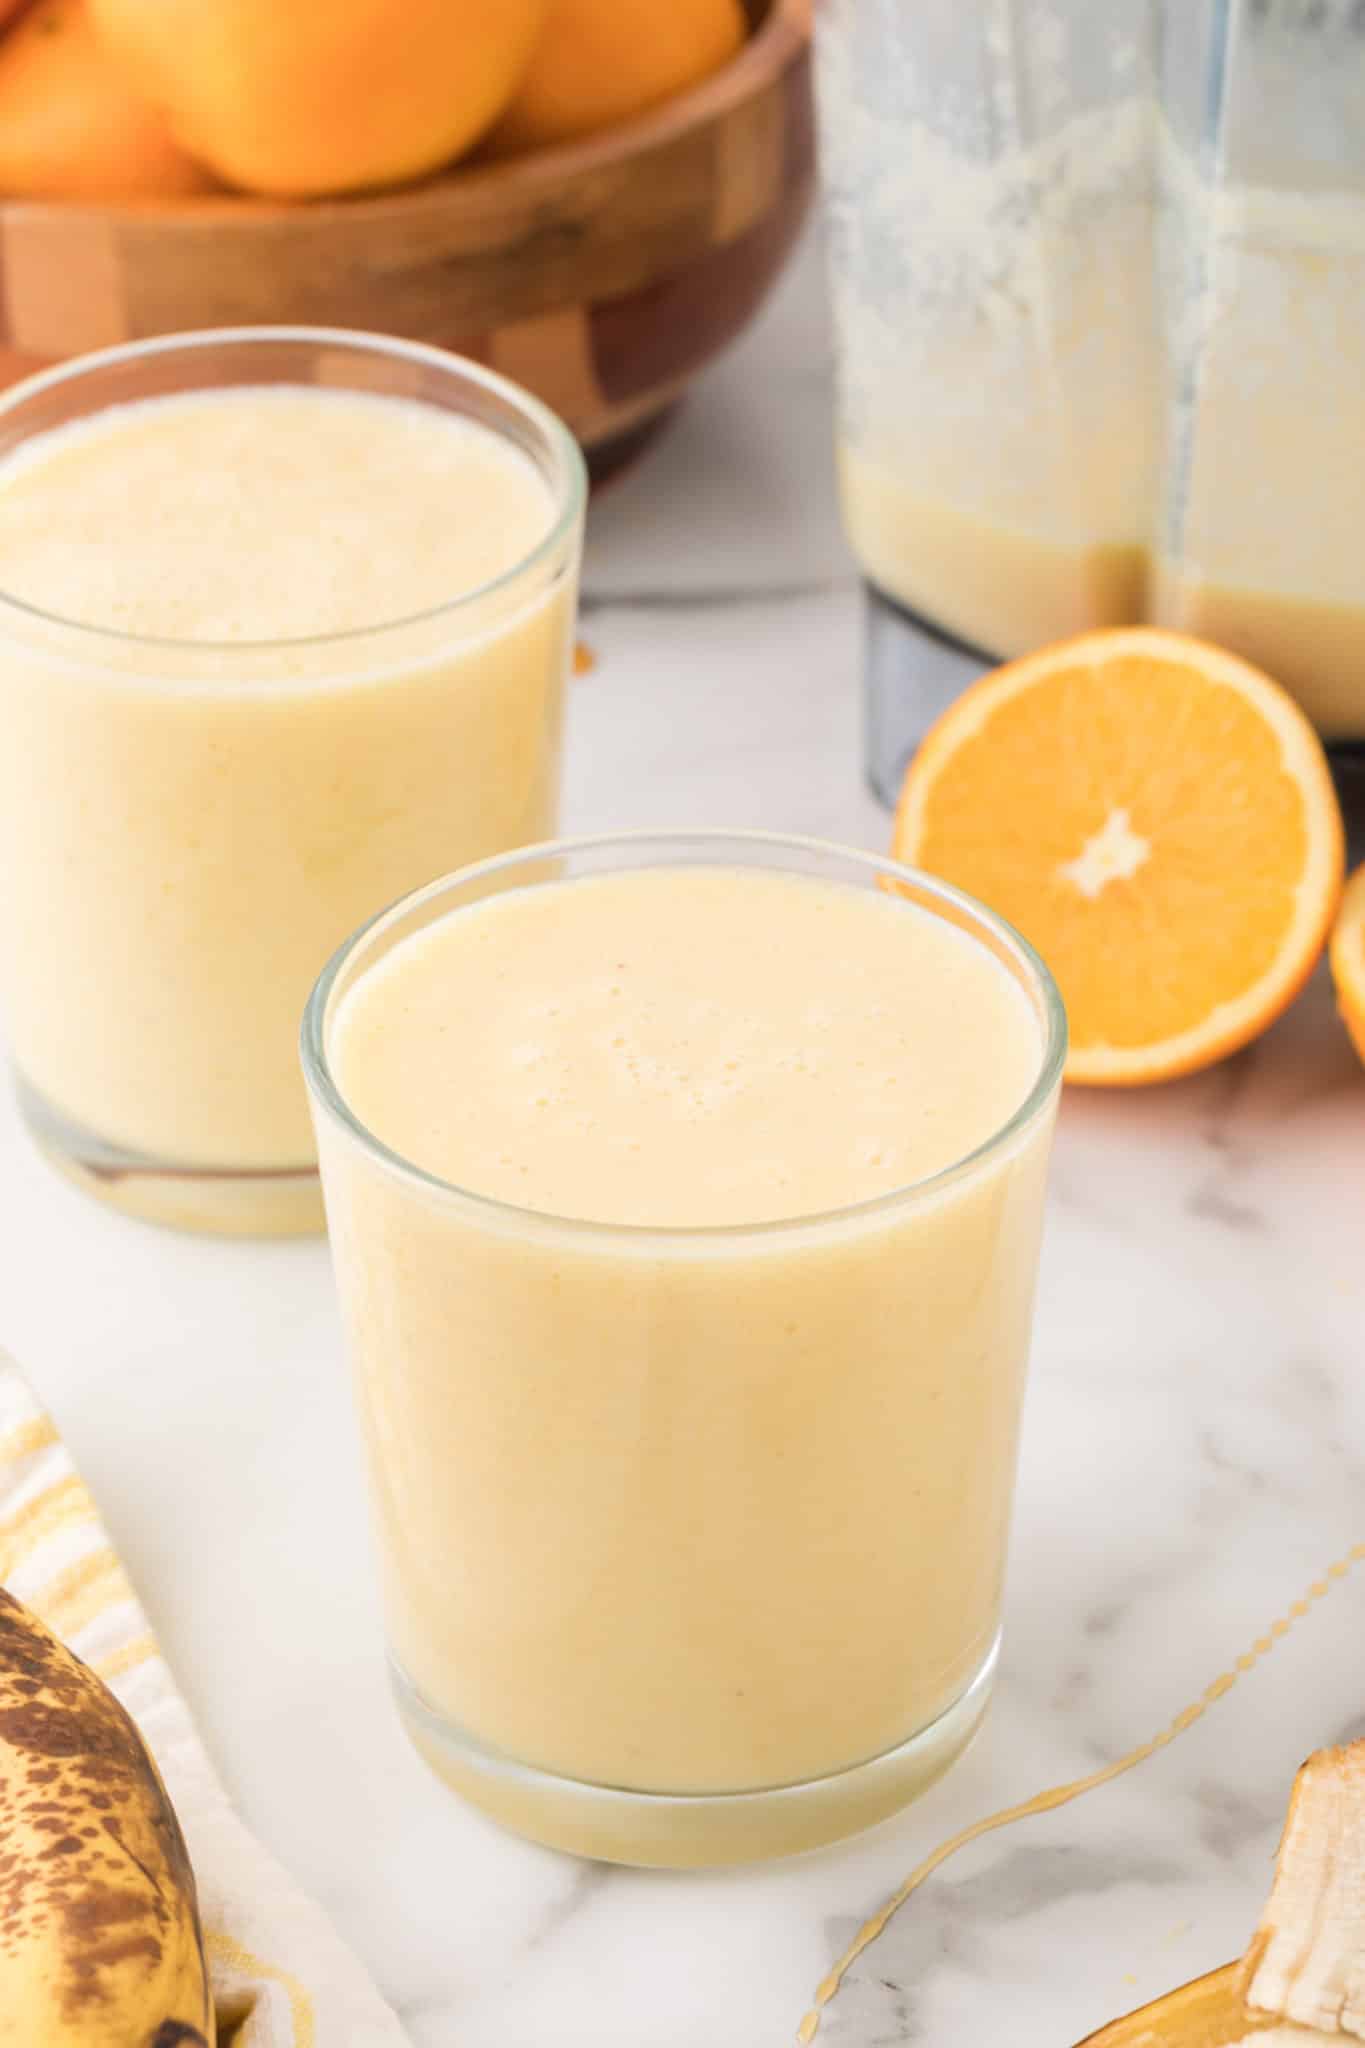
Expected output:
(218, 754)
(692, 1436)
(995, 586)
(1009, 589)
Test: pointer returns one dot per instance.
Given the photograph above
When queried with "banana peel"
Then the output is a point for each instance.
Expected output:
(1306, 1963)
(1209, 2013)
(1301, 1983)
(100, 1943)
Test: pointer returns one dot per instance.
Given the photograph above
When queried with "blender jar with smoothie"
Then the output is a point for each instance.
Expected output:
(1099, 290)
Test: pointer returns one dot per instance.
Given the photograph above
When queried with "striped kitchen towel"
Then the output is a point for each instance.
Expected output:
(282, 1978)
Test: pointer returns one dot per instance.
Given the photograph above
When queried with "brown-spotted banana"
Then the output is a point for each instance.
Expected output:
(100, 1945)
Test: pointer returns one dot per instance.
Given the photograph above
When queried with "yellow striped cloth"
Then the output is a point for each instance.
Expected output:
(282, 1978)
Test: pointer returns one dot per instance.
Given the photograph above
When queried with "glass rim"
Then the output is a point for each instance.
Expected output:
(327, 1094)
(573, 492)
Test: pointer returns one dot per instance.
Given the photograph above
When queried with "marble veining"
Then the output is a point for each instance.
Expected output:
(1194, 1445)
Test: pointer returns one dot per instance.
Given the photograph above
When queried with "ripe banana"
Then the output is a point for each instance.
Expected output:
(100, 1944)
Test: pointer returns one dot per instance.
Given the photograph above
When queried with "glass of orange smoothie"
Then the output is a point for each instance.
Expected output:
(685, 1195)
(284, 622)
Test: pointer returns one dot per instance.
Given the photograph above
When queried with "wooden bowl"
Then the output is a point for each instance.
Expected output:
(602, 274)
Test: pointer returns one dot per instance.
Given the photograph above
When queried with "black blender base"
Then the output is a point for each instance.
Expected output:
(912, 671)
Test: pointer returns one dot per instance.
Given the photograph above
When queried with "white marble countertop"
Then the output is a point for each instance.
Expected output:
(1194, 1449)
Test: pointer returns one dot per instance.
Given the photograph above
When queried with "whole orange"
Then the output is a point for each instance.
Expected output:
(300, 97)
(70, 126)
(600, 61)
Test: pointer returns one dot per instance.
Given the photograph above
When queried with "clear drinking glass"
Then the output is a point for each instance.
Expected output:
(595, 1449)
(187, 828)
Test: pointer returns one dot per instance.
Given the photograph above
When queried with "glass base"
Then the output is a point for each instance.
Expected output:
(911, 673)
(223, 1202)
(692, 1831)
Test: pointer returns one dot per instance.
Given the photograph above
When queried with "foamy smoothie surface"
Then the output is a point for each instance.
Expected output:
(200, 517)
(686, 1046)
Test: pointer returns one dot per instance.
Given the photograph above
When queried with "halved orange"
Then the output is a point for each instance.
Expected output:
(1348, 959)
(1158, 818)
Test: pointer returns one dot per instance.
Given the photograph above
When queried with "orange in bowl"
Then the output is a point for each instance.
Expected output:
(601, 61)
(1348, 959)
(1159, 819)
(300, 97)
(70, 125)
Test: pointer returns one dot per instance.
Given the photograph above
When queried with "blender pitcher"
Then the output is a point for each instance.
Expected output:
(1099, 289)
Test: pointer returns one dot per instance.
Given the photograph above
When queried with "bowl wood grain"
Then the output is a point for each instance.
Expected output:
(602, 274)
